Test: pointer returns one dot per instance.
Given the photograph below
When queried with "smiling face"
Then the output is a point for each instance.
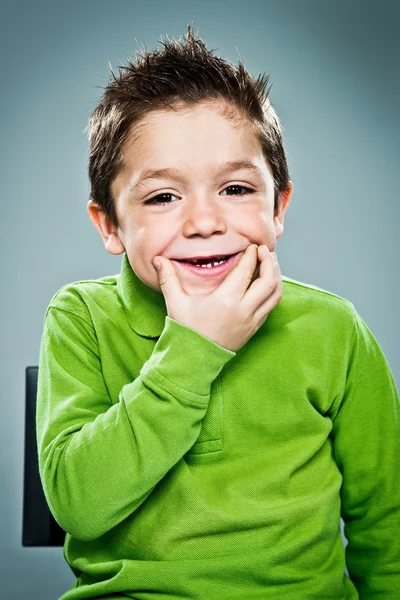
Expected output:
(199, 207)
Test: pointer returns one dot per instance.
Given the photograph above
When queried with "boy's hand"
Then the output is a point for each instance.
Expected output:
(234, 311)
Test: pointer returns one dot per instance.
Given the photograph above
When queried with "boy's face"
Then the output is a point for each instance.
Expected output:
(207, 210)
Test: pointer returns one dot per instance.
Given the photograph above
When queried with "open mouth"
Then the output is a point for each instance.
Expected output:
(208, 267)
(208, 262)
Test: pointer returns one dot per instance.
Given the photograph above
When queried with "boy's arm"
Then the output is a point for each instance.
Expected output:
(99, 461)
(366, 432)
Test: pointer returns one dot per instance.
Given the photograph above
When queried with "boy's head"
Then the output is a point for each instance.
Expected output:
(194, 114)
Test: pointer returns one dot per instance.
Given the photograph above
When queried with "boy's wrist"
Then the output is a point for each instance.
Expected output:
(184, 358)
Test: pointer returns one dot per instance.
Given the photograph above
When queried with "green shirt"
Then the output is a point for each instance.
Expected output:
(181, 470)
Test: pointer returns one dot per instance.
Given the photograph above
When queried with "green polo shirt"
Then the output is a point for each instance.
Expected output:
(181, 470)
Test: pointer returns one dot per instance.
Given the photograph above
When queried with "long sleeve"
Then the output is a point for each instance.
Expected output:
(366, 433)
(99, 458)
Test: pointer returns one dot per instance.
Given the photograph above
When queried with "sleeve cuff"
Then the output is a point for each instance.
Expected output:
(186, 360)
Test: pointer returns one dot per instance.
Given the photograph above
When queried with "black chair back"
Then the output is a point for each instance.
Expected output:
(39, 528)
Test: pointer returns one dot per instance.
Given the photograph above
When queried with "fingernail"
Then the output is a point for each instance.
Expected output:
(157, 264)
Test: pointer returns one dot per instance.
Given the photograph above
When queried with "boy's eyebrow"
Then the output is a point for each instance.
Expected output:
(174, 173)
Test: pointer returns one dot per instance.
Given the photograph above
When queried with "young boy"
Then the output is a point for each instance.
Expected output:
(201, 429)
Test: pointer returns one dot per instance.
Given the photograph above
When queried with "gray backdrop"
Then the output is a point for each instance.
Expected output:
(334, 68)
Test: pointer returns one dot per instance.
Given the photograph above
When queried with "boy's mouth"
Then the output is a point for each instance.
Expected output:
(205, 260)
(208, 267)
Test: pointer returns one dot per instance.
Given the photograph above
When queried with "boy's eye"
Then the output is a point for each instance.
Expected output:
(159, 198)
(236, 185)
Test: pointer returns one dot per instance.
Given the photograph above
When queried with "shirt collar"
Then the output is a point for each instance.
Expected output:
(145, 308)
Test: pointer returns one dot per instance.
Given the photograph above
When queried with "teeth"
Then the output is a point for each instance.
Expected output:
(208, 265)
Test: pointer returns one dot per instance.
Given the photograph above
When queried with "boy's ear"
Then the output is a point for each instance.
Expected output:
(279, 213)
(106, 229)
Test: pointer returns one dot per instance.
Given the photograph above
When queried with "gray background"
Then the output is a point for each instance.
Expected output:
(334, 68)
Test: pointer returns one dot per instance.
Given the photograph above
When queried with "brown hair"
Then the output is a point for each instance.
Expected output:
(182, 74)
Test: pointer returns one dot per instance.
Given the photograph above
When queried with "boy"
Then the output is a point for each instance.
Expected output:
(201, 428)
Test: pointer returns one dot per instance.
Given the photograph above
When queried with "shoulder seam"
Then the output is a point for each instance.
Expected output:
(69, 312)
(88, 322)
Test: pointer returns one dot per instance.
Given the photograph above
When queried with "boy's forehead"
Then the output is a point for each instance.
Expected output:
(230, 115)
(143, 157)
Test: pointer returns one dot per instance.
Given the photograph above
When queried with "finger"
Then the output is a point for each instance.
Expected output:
(263, 287)
(238, 280)
(168, 279)
(263, 251)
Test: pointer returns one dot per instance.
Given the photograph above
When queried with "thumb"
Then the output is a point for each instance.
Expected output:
(167, 277)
